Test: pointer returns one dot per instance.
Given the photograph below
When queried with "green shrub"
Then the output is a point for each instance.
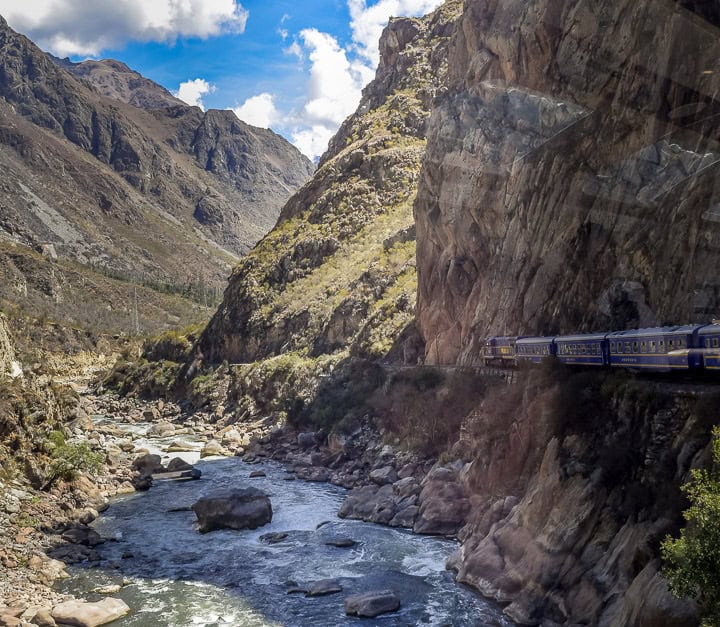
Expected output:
(69, 458)
(691, 561)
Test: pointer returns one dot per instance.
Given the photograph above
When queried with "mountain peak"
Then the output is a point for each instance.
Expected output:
(113, 79)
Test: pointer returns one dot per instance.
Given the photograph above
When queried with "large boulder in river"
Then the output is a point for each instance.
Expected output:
(82, 614)
(161, 429)
(213, 448)
(372, 604)
(244, 508)
(147, 464)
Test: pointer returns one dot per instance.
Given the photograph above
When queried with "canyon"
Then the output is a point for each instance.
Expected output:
(514, 168)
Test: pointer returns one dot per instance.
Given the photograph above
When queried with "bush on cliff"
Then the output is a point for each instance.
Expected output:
(691, 561)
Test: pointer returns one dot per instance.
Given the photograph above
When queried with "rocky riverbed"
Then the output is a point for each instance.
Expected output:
(67, 544)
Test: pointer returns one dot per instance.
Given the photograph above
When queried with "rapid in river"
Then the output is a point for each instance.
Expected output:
(177, 577)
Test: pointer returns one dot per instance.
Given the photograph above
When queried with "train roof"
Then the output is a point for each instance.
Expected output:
(652, 331)
(535, 340)
(583, 337)
(709, 329)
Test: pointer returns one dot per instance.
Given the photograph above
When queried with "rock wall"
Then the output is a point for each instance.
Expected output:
(569, 506)
(570, 182)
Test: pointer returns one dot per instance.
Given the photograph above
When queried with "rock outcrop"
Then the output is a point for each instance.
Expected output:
(182, 191)
(9, 367)
(568, 507)
(338, 271)
(570, 177)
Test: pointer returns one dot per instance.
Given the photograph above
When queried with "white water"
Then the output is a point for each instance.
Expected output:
(179, 577)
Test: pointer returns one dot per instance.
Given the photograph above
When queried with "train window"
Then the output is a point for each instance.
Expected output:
(661, 345)
(635, 347)
(681, 343)
(643, 347)
(612, 347)
(716, 342)
(671, 345)
(652, 346)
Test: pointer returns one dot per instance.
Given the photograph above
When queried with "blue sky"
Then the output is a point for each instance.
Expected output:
(296, 67)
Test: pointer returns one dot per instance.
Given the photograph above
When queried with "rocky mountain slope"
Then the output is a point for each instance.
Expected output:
(182, 192)
(337, 273)
(570, 177)
(115, 80)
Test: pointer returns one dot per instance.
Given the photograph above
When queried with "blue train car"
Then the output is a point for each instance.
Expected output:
(662, 349)
(500, 351)
(589, 349)
(709, 343)
(534, 349)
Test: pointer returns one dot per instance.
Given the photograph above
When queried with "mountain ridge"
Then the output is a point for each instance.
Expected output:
(200, 187)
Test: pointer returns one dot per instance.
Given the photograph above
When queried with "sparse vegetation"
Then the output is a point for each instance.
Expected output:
(69, 458)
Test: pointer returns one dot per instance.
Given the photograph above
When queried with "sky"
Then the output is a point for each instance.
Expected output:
(297, 67)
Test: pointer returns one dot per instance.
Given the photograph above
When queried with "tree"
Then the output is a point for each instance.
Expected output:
(692, 561)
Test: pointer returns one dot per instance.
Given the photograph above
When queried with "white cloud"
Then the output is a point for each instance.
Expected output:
(335, 84)
(312, 141)
(368, 22)
(338, 75)
(193, 91)
(85, 28)
(258, 110)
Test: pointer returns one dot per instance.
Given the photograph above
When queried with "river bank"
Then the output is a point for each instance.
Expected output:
(53, 532)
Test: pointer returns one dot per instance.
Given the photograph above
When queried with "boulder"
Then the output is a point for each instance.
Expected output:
(151, 414)
(341, 543)
(82, 614)
(245, 508)
(322, 587)
(232, 438)
(405, 517)
(82, 535)
(370, 503)
(384, 475)
(161, 429)
(406, 487)
(43, 618)
(273, 538)
(306, 440)
(147, 464)
(257, 473)
(87, 515)
(213, 447)
(177, 464)
(372, 604)
(178, 446)
(444, 505)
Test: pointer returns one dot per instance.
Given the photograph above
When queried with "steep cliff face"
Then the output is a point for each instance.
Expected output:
(570, 182)
(569, 505)
(182, 191)
(337, 272)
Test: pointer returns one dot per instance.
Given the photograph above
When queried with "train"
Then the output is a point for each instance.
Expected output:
(694, 347)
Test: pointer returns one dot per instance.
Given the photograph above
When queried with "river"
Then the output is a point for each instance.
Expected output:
(176, 577)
